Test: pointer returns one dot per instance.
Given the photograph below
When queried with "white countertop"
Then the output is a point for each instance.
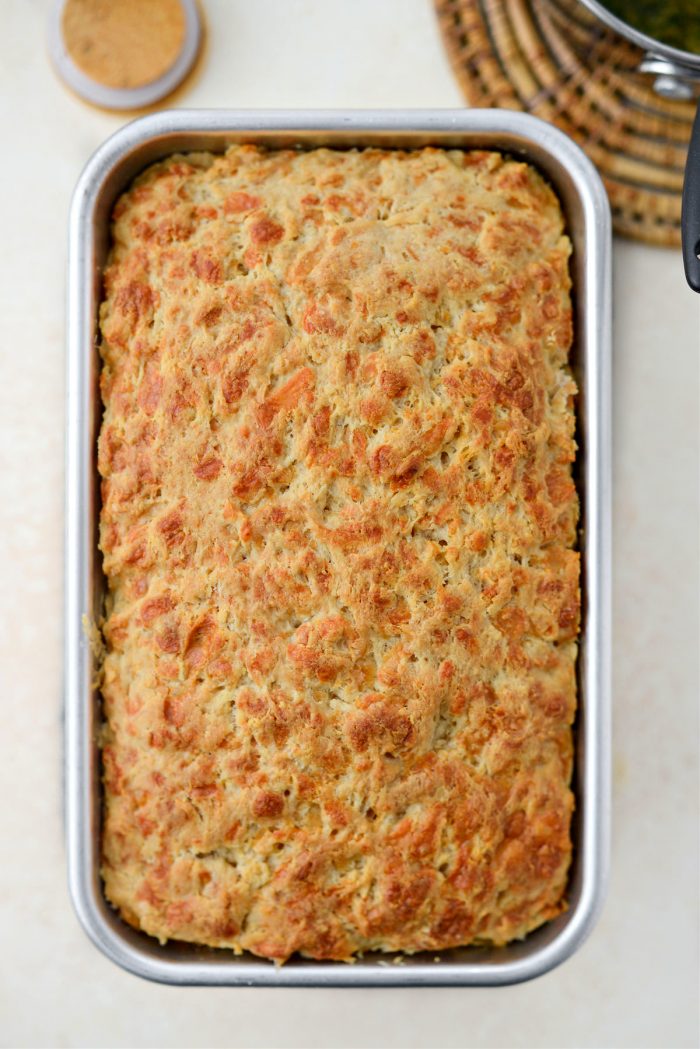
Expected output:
(634, 983)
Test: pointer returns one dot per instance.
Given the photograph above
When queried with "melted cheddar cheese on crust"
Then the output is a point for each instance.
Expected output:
(338, 529)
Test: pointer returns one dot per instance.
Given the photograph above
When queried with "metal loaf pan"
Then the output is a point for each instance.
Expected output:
(585, 204)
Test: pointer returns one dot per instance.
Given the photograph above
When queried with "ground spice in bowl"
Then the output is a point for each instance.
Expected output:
(124, 54)
(123, 43)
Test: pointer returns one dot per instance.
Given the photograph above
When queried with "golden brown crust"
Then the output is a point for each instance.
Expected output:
(338, 526)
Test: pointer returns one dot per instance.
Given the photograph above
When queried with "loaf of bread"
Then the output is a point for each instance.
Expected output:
(339, 529)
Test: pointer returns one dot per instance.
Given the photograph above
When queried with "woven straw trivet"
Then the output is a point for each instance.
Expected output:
(553, 59)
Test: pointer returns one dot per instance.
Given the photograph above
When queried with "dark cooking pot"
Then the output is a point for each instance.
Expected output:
(677, 75)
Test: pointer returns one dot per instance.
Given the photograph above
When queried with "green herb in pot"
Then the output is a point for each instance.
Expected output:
(672, 22)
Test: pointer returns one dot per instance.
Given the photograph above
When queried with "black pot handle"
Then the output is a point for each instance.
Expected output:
(690, 213)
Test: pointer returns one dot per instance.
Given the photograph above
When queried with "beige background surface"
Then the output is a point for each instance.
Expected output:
(634, 982)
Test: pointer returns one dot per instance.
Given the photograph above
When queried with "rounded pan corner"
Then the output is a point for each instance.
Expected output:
(114, 947)
(572, 937)
(97, 930)
(557, 141)
(102, 161)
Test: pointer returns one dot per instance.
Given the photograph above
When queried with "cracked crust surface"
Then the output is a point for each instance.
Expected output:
(338, 526)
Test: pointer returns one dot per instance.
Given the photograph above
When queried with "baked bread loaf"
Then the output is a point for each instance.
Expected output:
(338, 528)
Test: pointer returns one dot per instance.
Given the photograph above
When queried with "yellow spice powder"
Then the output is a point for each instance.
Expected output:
(123, 43)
